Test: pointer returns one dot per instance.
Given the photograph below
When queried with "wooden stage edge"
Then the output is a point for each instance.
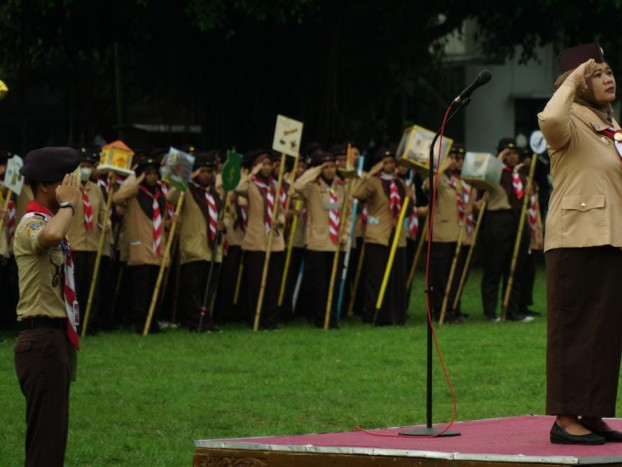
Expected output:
(504, 442)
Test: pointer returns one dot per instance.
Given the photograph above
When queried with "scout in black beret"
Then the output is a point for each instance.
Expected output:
(320, 157)
(204, 159)
(49, 164)
(506, 143)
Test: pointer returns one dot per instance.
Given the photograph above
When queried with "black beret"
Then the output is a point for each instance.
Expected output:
(571, 58)
(144, 163)
(339, 150)
(381, 153)
(507, 143)
(312, 147)
(457, 148)
(320, 157)
(50, 164)
(89, 155)
(204, 159)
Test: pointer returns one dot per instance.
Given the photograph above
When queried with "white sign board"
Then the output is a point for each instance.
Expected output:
(287, 136)
(12, 178)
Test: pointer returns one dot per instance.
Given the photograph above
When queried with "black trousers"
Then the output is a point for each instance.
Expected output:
(193, 284)
(42, 367)
(227, 311)
(498, 237)
(9, 291)
(84, 268)
(319, 268)
(393, 310)
(143, 279)
(253, 269)
(287, 308)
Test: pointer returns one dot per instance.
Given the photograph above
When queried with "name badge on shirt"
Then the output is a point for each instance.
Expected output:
(373, 220)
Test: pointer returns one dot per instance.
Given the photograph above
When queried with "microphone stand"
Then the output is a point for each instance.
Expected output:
(429, 430)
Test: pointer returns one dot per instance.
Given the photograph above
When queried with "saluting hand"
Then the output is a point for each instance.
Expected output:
(580, 73)
(68, 190)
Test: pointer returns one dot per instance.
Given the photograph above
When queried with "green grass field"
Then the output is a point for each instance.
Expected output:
(142, 401)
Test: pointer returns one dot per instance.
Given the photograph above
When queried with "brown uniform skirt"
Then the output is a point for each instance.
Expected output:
(584, 333)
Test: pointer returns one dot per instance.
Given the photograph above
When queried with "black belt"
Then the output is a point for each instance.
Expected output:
(42, 322)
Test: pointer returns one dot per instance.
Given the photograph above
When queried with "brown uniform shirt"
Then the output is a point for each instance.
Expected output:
(380, 220)
(317, 197)
(193, 231)
(40, 272)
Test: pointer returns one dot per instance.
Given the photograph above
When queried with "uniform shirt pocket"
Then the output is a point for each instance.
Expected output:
(584, 219)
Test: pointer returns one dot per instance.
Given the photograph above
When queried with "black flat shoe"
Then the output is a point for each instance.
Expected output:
(561, 436)
(612, 436)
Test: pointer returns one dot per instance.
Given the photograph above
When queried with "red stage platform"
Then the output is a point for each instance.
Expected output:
(505, 442)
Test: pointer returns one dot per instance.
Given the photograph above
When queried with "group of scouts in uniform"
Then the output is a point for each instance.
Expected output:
(315, 217)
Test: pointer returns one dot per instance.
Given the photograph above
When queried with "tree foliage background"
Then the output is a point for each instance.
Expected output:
(358, 69)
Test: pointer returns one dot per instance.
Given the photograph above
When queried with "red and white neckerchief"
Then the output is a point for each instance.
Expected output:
(12, 220)
(364, 215)
(69, 286)
(170, 207)
(157, 219)
(212, 208)
(268, 193)
(88, 210)
(532, 214)
(395, 200)
(462, 200)
(333, 214)
(615, 135)
(517, 183)
(413, 224)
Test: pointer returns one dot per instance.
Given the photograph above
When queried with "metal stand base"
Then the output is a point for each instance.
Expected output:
(429, 432)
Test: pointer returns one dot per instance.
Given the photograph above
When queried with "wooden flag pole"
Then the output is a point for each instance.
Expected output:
(452, 271)
(357, 279)
(333, 275)
(5, 207)
(387, 270)
(413, 266)
(290, 246)
(100, 250)
(519, 234)
(467, 262)
(164, 265)
(264, 275)
(238, 280)
(292, 232)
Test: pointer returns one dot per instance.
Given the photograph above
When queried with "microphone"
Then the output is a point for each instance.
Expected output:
(483, 77)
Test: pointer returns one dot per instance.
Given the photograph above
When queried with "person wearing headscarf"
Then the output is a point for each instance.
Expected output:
(144, 219)
(199, 242)
(259, 188)
(583, 249)
(498, 235)
(325, 197)
(385, 194)
(452, 222)
(83, 235)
